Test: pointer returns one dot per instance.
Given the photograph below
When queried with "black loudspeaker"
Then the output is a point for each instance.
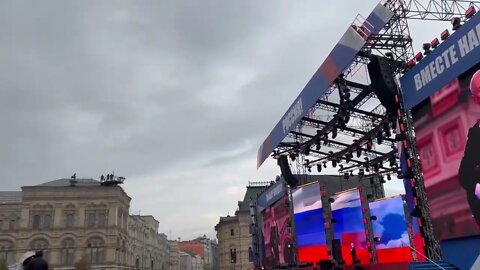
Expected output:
(337, 251)
(325, 265)
(383, 83)
(286, 172)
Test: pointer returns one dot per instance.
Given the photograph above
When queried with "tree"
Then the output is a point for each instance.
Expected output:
(3, 265)
(83, 264)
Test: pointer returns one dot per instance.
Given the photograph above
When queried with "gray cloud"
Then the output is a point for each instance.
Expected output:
(175, 95)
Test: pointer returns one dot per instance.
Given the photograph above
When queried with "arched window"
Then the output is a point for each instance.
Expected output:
(68, 251)
(95, 250)
(36, 222)
(70, 220)
(7, 252)
(40, 245)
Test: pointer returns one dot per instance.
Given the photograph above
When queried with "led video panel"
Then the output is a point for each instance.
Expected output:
(309, 224)
(277, 234)
(447, 126)
(390, 230)
(348, 225)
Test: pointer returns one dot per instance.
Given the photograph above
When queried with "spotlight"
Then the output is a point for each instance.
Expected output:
(359, 152)
(361, 172)
(334, 132)
(379, 137)
(346, 175)
(351, 173)
(373, 218)
(319, 167)
(434, 43)
(306, 150)
(382, 181)
(376, 167)
(393, 161)
(325, 139)
(318, 145)
(389, 177)
(418, 56)
(341, 167)
(324, 164)
(426, 48)
(445, 34)
(376, 239)
(293, 156)
(470, 12)
(331, 200)
(334, 163)
(456, 23)
(369, 144)
(389, 55)
(410, 63)
(309, 169)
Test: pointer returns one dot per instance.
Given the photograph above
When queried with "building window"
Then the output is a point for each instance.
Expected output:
(36, 222)
(7, 252)
(232, 232)
(91, 220)
(70, 221)
(68, 250)
(95, 251)
(11, 225)
(102, 220)
(47, 221)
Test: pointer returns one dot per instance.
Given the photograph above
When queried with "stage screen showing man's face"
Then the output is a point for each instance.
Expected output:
(309, 224)
(390, 230)
(448, 137)
(348, 225)
(277, 234)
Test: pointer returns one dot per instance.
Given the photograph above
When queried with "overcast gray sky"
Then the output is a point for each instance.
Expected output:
(174, 95)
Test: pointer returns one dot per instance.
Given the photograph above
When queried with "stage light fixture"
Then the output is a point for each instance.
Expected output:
(309, 169)
(306, 150)
(334, 132)
(324, 164)
(382, 181)
(376, 167)
(376, 239)
(369, 144)
(325, 139)
(379, 137)
(293, 156)
(456, 23)
(331, 200)
(334, 163)
(373, 218)
(389, 55)
(419, 56)
(445, 34)
(470, 12)
(351, 173)
(319, 167)
(346, 175)
(361, 172)
(389, 177)
(392, 161)
(410, 63)
(426, 48)
(318, 145)
(341, 166)
(359, 151)
(367, 169)
(434, 43)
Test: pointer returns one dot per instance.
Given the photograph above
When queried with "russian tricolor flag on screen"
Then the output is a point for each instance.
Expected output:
(309, 224)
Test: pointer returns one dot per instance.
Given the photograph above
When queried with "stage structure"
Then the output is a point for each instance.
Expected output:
(351, 115)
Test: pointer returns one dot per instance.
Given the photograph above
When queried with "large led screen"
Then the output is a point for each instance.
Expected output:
(447, 127)
(348, 225)
(277, 234)
(390, 230)
(309, 224)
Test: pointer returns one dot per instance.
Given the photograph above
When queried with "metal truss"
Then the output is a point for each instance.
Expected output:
(437, 10)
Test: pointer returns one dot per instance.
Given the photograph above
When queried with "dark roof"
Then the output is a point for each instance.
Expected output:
(7, 197)
(251, 195)
(65, 182)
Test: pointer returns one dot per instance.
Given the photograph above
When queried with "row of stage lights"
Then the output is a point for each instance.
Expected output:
(427, 47)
